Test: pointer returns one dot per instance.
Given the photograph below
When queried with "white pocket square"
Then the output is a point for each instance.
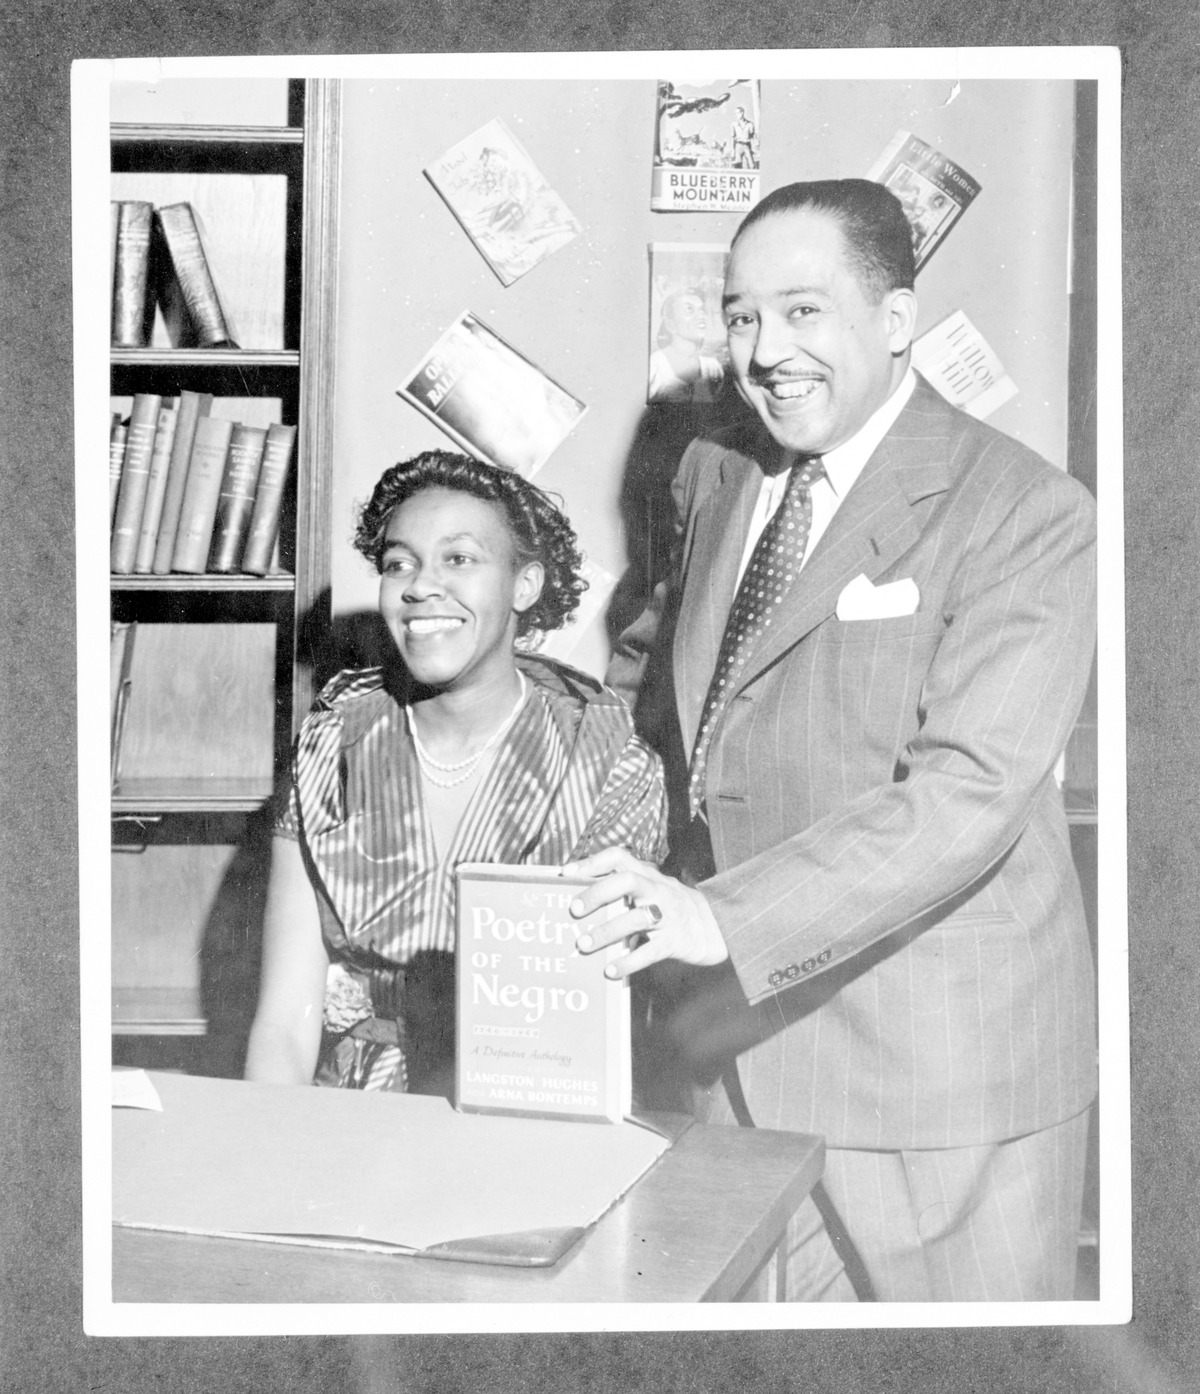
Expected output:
(862, 601)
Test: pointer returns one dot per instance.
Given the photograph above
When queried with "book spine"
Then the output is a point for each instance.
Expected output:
(131, 301)
(135, 474)
(236, 500)
(185, 251)
(168, 419)
(120, 684)
(199, 509)
(118, 634)
(192, 406)
(114, 228)
(116, 462)
(268, 500)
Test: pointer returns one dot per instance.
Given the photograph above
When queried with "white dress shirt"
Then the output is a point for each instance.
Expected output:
(843, 465)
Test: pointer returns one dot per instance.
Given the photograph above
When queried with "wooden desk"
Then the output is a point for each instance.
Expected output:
(697, 1227)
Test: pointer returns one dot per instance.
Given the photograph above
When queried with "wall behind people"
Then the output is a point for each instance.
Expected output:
(407, 270)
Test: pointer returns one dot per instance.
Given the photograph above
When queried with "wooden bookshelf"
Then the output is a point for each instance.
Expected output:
(221, 672)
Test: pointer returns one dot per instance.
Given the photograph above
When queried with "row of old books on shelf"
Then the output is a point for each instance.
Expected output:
(194, 493)
(158, 259)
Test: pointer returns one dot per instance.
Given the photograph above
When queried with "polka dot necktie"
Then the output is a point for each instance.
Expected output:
(773, 567)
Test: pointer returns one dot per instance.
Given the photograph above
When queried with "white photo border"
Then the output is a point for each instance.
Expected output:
(91, 80)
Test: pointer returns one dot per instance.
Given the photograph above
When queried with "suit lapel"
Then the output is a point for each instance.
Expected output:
(872, 528)
(719, 537)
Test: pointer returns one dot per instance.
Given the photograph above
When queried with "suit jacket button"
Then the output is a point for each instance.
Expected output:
(825, 955)
(809, 964)
(775, 978)
(793, 971)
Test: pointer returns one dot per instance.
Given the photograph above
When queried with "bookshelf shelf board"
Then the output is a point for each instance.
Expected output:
(171, 794)
(210, 582)
(205, 358)
(1082, 806)
(156, 1011)
(207, 150)
(153, 1026)
(132, 132)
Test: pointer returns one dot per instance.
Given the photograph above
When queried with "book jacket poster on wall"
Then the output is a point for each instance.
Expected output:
(600, 583)
(935, 191)
(958, 361)
(490, 399)
(706, 146)
(688, 357)
(503, 201)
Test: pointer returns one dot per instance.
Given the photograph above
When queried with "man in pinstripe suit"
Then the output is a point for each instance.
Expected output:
(877, 932)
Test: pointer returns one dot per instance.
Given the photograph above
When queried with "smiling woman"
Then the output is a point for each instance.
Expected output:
(465, 749)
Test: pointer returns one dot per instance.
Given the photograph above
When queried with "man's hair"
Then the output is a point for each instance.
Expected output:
(878, 237)
(539, 530)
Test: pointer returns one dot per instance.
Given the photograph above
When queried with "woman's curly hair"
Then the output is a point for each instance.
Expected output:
(540, 531)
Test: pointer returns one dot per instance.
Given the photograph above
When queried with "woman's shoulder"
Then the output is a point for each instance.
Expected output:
(352, 700)
(348, 686)
(560, 681)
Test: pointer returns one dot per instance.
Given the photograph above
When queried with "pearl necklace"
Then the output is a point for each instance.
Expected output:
(471, 764)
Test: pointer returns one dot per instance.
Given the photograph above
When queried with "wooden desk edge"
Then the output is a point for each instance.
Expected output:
(654, 1210)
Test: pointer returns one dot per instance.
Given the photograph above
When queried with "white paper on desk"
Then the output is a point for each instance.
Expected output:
(227, 1157)
(132, 1089)
(861, 600)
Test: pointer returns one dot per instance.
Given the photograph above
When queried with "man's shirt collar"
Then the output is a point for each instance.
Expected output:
(846, 462)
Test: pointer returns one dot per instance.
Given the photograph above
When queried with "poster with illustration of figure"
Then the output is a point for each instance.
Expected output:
(688, 357)
(706, 146)
(503, 201)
